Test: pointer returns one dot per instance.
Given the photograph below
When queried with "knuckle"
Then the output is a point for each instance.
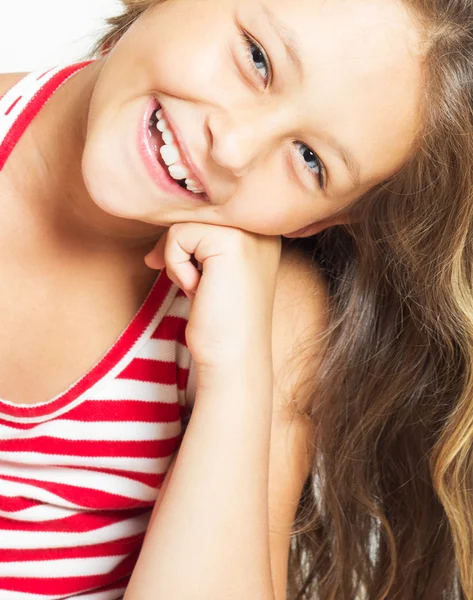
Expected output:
(173, 232)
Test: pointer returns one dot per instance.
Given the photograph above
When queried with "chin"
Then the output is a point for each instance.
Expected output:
(107, 187)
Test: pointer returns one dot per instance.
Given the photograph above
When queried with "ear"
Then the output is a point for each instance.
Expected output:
(319, 226)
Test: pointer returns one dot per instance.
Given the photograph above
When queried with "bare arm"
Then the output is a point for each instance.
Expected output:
(223, 525)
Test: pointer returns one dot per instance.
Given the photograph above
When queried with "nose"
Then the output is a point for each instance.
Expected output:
(239, 138)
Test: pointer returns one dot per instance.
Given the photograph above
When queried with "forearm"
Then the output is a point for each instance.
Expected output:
(210, 536)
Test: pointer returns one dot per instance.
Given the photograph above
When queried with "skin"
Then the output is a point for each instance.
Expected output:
(361, 85)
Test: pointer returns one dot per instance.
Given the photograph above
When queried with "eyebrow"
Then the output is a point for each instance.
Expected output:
(287, 37)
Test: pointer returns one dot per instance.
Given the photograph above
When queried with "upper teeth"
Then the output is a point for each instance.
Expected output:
(172, 157)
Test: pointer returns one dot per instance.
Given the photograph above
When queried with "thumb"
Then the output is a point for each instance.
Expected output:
(155, 258)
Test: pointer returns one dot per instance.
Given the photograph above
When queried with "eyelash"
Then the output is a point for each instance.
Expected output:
(249, 43)
(321, 174)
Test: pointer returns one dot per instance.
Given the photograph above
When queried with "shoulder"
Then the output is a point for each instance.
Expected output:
(300, 319)
(301, 292)
(300, 322)
(8, 80)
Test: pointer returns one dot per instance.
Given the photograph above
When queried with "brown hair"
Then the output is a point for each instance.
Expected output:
(387, 511)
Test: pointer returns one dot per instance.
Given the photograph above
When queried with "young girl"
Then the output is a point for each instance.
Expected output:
(330, 405)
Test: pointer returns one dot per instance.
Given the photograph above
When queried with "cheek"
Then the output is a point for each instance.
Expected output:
(267, 210)
(184, 51)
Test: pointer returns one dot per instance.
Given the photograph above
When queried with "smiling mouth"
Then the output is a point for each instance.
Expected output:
(169, 154)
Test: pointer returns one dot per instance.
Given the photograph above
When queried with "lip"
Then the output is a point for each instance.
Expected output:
(156, 170)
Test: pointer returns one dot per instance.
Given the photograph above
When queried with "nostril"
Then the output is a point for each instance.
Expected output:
(208, 133)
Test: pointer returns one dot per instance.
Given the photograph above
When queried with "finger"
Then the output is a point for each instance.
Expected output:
(155, 258)
(178, 256)
(190, 295)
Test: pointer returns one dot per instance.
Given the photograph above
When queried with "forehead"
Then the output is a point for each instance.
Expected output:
(362, 75)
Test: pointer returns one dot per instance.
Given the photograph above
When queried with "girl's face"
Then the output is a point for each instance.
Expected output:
(283, 112)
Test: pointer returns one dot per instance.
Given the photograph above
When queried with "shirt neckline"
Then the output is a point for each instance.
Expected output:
(135, 334)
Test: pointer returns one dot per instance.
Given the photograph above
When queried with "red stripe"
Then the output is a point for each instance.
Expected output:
(82, 496)
(149, 370)
(111, 411)
(125, 410)
(45, 73)
(115, 548)
(171, 329)
(13, 105)
(16, 503)
(32, 109)
(185, 411)
(182, 377)
(93, 448)
(126, 341)
(78, 523)
(122, 583)
(68, 585)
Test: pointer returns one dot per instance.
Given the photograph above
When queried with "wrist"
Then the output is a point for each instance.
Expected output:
(240, 371)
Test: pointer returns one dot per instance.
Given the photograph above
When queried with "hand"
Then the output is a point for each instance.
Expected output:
(231, 314)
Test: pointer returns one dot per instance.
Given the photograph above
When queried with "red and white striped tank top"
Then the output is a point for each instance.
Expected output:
(79, 474)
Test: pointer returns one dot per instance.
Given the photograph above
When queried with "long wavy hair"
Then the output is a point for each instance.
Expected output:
(387, 511)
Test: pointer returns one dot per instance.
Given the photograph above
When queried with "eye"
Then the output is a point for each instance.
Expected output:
(312, 162)
(257, 58)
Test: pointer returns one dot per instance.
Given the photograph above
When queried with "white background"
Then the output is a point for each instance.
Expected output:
(45, 33)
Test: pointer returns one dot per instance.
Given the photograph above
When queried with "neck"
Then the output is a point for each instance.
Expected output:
(54, 186)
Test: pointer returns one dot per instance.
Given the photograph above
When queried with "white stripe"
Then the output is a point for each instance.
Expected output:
(130, 389)
(13, 489)
(26, 88)
(96, 431)
(38, 514)
(137, 465)
(108, 595)
(180, 308)
(183, 356)
(29, 540)
(163, 350)
(94, 480)
(68, 567)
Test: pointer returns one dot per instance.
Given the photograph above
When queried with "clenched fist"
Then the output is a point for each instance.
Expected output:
(233, 294)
